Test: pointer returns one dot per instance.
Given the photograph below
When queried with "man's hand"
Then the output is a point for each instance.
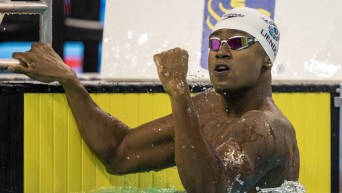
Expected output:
(172, 66)
(41, 63)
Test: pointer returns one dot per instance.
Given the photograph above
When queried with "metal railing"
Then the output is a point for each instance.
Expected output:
(338, 104)
(43, 7)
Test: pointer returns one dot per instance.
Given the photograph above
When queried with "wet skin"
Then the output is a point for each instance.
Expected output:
(230, 138)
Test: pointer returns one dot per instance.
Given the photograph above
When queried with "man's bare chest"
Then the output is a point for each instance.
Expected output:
(216, 128)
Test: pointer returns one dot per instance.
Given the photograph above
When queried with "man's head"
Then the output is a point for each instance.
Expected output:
(256, 24)
(243, 46)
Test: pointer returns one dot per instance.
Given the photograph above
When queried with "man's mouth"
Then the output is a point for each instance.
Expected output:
(221, 68)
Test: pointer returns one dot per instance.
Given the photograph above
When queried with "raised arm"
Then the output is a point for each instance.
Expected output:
(122, 149)
(195, 160)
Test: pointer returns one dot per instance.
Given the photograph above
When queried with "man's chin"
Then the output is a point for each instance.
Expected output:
(227, 90)
(222, 91)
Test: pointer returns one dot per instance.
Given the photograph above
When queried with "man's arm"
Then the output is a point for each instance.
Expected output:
(196, 161)
(122, 150)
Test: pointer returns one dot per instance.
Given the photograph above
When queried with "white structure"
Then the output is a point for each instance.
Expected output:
(135, 30)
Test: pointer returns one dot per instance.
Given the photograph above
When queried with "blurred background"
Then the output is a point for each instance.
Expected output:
(132, 36)
(77, 32)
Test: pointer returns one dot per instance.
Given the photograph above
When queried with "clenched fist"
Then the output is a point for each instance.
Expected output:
(172, 66)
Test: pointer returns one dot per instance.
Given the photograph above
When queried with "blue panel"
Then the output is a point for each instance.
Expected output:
(7, 48)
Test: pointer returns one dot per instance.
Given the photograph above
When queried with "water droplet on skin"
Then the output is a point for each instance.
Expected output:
(180, 87)
(238, 180)
(233, 159)
(270, 131)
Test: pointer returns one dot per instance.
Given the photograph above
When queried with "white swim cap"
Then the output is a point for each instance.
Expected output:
(255, 23)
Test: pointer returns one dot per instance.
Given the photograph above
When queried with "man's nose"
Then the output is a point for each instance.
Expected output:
(224, 51)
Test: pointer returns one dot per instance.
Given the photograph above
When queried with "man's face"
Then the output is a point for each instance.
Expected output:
(232, 70)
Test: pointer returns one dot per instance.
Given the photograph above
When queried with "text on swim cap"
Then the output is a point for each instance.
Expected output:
(231, 15)
(270, 41)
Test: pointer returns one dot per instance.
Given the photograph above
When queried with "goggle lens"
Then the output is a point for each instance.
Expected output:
(215, 44)
(234, 43)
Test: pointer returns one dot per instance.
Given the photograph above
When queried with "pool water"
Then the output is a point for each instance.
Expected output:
(135, 190)
(286, 187)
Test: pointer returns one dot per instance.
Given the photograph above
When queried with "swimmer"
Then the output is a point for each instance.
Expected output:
(232, 138)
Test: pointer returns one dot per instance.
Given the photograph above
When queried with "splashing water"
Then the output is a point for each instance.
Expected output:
(286, 187)
(238, 180)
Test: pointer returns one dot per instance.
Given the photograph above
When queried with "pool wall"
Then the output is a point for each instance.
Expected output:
(54, 158)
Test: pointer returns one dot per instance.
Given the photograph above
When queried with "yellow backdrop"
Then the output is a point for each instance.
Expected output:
(56, 160)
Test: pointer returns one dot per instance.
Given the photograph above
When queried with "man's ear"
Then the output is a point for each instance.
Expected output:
(267, 62)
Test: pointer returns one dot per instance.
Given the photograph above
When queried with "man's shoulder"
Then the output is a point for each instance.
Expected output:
(208, 98)
(268, 111)
(265, 120)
